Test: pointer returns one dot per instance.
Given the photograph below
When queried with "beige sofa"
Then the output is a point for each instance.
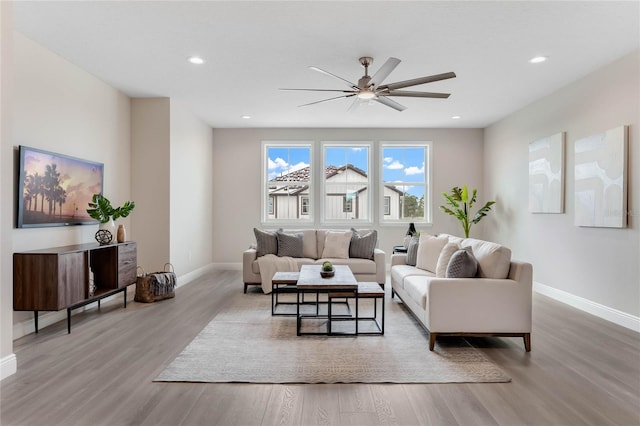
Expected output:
(496, 302)
(373, 269)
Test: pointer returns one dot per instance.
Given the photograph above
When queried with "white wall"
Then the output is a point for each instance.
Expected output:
(151, 168)
(58, 107)
(457, 160)
(8, 362)
(192, 199)
(597, 264)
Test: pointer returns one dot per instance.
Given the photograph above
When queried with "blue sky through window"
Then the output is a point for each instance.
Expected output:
(283, 160)
(404, 164)
(339, 156)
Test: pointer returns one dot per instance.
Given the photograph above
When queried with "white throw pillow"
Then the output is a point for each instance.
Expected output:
(445, 257)
(429, 250)
(336, 245)
(494, 260)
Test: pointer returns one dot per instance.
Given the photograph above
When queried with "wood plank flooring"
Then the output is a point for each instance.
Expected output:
(582, 371)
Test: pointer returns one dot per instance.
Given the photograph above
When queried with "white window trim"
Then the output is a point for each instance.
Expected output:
(370, 182)
(428, 211)
(264, 177)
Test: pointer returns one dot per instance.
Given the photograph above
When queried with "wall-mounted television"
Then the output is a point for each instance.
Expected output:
(55, 189)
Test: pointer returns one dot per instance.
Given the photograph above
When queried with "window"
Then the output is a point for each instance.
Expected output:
(304, 207)
(347, 205)
(347, 182)
(287, 182)
(405, 169)
(387, 205)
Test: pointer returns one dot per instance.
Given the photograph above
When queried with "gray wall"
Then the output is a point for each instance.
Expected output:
(456, 160)
(600, 265)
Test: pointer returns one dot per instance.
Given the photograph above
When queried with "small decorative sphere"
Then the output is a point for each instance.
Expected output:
(104, 237)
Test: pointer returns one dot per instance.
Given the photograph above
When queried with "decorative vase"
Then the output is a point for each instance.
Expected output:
(121, 234)
(106, 232)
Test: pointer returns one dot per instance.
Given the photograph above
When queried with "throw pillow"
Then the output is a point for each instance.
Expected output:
(363, 244)
(336, 245)
(266, 242)
(429, 250)
(289, 244)
(445, 257)
(412, 251)
(462, 264)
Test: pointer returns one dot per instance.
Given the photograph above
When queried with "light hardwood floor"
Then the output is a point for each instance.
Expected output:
(582, 371)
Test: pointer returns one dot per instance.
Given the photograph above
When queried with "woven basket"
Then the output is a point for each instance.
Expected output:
(155, 285)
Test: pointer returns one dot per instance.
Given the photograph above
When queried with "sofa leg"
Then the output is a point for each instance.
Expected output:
(527, 341)
(393, 293)
(245, 288)
(432, 341)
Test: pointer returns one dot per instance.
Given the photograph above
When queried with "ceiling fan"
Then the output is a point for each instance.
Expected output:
(370, 88)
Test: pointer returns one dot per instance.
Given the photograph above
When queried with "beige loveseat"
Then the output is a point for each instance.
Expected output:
(369, 269)
(495, 302)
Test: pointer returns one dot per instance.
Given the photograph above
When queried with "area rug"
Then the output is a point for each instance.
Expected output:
(246, 344)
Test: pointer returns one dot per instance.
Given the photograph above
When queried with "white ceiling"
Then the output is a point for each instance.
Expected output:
(254, 48)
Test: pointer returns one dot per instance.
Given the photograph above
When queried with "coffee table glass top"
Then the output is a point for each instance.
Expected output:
(310, 278)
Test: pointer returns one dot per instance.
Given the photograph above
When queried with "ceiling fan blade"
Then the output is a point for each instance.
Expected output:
(327, 100)
(410, 94)
(355, 104)
(388, 102)
(384, 71)
(350, 84)
(417, 81)
(322, 90)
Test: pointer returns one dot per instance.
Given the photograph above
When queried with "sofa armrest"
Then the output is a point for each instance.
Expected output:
(398, 259)
(379, 258)
(248, 257)
(478, 305)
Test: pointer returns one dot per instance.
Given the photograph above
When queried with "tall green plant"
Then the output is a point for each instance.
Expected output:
(100, 209)
(460, 207)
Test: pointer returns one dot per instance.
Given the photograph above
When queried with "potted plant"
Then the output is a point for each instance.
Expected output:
(461, 205)
(100, 209)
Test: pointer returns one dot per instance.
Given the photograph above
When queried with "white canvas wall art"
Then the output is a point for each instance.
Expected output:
(546, 175)
(601, 179)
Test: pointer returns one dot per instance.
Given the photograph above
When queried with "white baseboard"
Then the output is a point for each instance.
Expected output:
(8, 366)
(193, 275)
(230, 266)
(615, 316)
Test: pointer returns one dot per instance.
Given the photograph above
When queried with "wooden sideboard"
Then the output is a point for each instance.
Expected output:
(58, 278)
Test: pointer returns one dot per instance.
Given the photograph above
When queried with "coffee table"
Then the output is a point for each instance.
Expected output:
(310, 281)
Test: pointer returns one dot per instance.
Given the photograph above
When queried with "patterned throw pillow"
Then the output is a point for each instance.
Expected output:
(363, 244)
(412, 251)
(289, 244)
(266, 242)
(462, 264)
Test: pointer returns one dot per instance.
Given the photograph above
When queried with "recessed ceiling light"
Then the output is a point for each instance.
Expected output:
(537, 59)
(196, 60)
(246, 117)
(456, 117)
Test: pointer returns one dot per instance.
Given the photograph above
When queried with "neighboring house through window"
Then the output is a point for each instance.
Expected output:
(405, 170)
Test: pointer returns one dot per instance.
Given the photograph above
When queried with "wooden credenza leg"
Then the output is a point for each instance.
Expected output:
(68, 320)
(35, 320)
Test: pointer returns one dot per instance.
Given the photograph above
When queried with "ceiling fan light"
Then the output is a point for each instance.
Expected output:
(366, 94)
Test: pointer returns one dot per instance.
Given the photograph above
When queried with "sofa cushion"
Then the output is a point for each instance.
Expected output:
(357, 266)
(429, 249)
(400, 272)
(309, 242)
(462, 264)
(266, 242)
(416, 288)
(445, 257)
(363, 243)
(289, 244)
(494, 260)
(336, 244)
(412, 251)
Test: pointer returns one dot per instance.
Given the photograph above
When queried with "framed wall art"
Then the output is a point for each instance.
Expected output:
(546, 174)
(601, 179)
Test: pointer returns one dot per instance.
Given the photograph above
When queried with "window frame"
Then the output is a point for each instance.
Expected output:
(264, 177)
(303, 205)
(370, 184)
(384, 219)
